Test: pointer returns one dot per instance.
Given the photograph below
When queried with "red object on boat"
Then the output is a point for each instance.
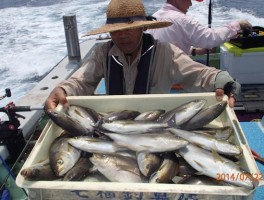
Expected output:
(177, 87)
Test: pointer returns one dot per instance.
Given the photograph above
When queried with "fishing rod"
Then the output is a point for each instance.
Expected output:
(11, 111)
(209, 25)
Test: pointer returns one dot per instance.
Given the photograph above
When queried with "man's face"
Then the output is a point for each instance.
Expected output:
(128, 40)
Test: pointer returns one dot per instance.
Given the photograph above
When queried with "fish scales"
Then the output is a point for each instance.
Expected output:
(95, 145)
(121, 115)
(208, 142)
(149, 142)
(117, 168)
(150, 115)
(131, 126)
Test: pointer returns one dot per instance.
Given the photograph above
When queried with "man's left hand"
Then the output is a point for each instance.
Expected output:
(219, 93)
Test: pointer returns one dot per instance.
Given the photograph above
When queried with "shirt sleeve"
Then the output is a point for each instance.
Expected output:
(193, 76)
(205, 37)
(85, 80)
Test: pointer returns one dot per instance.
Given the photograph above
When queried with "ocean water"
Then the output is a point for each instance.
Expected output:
(32, 38)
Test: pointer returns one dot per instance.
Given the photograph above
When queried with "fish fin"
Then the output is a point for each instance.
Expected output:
(144, 151)
(99, 123)
(200, 165)
(199, 173)
(180, 180)
(127, 168)
(217, 156)
(119, 147)
(76, 111)
(93, 169)
(171, 122)
(153, 175)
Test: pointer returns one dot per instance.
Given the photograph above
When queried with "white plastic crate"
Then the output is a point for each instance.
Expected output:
(112, 190)
(246, 68)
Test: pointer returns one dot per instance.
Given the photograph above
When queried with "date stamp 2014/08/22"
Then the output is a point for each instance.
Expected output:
(238, 176)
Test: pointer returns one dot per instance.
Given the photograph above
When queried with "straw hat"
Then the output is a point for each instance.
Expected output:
(126, 14)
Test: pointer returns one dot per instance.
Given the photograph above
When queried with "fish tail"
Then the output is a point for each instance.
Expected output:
(249, 176)
(99, 123)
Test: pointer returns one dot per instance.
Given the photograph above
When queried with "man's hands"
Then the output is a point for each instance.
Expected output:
(219, 93)
(245, 26)
(225, 84)
(58, 95)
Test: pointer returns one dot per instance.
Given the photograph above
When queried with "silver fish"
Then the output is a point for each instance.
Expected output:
(67, 123)
(96, 177)
(39, 171)
(79, 171)
(181, 114)
(205, 116)
(117, 168)
(132, 126)
(150, 115)
(185, 169)
(167, 170)
(201, 180)
(223, 133)
(128, 153)
(213, 165)
(63, 156)
(86, 116)
(208, 142)
(148, 163)
(121, 115)
(149, 142)
(95, 145)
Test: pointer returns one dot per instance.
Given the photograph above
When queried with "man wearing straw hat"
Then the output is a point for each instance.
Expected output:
(134, 63)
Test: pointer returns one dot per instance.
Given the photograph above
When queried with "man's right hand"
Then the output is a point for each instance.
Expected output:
(245, 26)
(58, 95)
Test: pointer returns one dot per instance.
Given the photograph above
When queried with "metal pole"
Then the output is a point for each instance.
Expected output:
(72, 40)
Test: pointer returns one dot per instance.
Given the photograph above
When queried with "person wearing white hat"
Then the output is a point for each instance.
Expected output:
(187, 33)
(133, 62)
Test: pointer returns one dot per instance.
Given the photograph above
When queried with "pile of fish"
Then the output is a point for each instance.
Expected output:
(156, 146)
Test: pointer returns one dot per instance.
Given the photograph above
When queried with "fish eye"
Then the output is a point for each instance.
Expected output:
(59, 162)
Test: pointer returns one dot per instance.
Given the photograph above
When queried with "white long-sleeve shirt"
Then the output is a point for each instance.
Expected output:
(170, 65)
(186, 32)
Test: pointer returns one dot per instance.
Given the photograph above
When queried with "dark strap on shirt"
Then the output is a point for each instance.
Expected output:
(116, 85)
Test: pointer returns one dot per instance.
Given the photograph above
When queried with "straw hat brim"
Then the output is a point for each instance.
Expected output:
(108, 28)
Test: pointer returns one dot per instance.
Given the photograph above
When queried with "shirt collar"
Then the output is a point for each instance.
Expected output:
(114, 51)
(168, 6)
